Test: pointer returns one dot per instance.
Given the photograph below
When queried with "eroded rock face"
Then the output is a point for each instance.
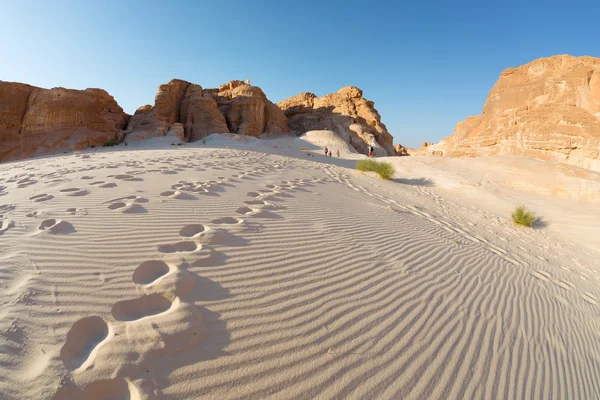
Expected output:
(401, 150)
(35, 121)
(346, 113)
(548, 109)
(235, 107)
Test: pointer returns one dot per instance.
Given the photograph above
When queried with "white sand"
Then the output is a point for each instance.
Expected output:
(167, 272)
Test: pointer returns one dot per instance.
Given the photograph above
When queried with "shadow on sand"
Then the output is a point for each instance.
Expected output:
(415, 181)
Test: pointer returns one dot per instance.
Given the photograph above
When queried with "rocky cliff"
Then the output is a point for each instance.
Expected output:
(346, 113)
(548, 109)
(235, 107)
(35, 121)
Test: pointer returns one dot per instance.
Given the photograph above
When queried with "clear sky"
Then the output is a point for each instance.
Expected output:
(426, 64)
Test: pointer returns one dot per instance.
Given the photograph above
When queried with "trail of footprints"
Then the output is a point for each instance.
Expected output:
(167, 288)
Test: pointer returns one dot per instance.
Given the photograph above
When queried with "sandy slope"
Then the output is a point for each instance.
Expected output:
(193, 272)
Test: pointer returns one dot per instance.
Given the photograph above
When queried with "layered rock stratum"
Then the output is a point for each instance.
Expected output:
(547, 109)
(36, 121)
(346, 113)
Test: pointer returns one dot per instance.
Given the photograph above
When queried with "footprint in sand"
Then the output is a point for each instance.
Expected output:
(145, 306)
(149, 271)
(131, 207)
(255, 202)
(56, 227)
(7, 207)
(75, 192)
(108, 185)
(117, 205)
(176, 194)
(126, 177)
(85, 336)
(117, 388)
(6, 225)
(191, 230)
(41, 197)
(227, 221)
(87, 177)
(179, 247)
(244, 210)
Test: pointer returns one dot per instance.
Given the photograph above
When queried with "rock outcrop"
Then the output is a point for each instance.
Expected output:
(548, 109)
(400, 150)
(235, 107)
(346, 113)
(35, 121)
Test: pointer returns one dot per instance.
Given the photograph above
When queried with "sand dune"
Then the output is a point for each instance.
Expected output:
(210, 272)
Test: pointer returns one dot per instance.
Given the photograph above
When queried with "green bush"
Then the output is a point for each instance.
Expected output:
(384, 169)
(523, 217)
(111, 143)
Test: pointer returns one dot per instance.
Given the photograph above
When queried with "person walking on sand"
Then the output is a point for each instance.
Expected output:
(326, 151)
(370, 151)
(337, 153)
(329, 153)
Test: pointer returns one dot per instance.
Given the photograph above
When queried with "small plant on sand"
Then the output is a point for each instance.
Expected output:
(523, 217)
(303, 149)
(111, 143)
(384, 169)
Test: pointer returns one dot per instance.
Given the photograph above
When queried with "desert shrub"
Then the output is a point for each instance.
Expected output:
(523, 217)
(111, 143)
(303, 149)
(384, 169)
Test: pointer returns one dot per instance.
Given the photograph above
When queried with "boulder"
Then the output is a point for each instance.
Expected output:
(548, 109)
(36, 121)
(346, 113)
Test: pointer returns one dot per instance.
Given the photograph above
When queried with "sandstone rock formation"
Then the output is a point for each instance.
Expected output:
(400, 150)
(35, 121)
(346, 113)
(548, 109)
(235, 107)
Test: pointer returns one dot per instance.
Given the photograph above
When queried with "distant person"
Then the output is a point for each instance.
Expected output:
(329, 153)
(370, 151)
(326, 151)
(337, 153)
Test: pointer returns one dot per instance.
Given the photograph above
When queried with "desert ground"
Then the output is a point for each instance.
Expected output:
(242, 268)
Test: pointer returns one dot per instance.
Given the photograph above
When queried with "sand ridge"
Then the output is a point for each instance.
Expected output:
(264, 276)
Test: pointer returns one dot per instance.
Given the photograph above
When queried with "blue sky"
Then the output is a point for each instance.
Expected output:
(426, 64)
